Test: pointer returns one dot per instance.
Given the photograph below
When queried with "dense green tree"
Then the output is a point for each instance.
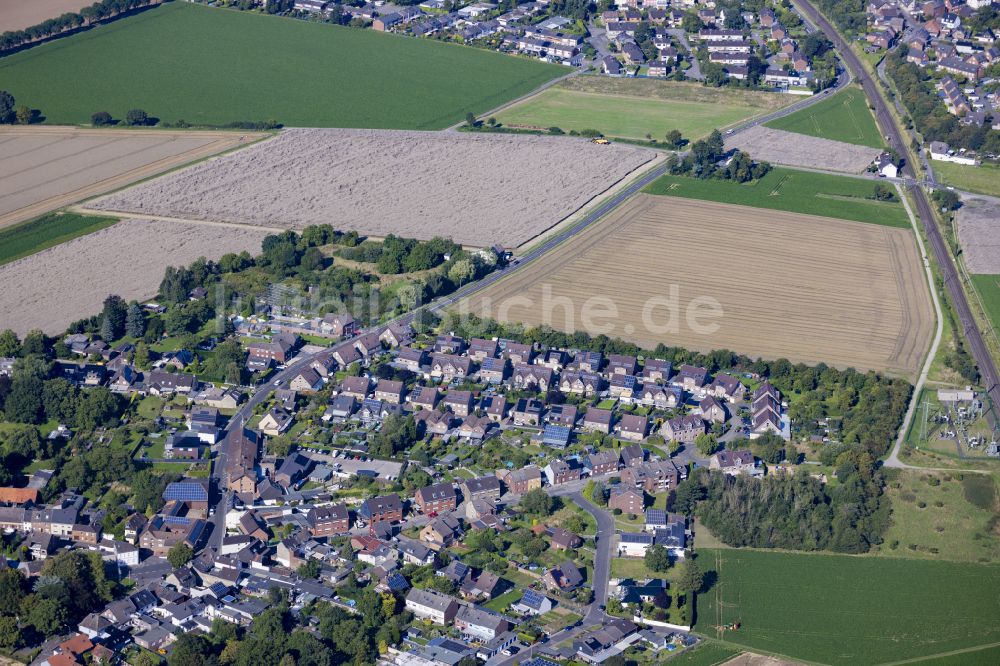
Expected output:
(97, 407)
(657, 558)
(179, 555)
(24, 402)
(47, 616)
(135, 321)
(9, 633)
(537, 502)
(12, 591)
(691, 578)
(136, 117)
(35, 344)
(10, 345)
(8, 108)
(101, 119)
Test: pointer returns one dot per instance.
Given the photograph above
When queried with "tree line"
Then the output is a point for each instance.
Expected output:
(99, 11)
(706, 159)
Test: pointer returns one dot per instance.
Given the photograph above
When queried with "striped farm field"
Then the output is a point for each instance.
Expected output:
(705, 275)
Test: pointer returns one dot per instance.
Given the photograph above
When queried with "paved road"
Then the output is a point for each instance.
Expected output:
(942, 253)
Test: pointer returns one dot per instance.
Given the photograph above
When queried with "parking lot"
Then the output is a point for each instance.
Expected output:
(385, 470)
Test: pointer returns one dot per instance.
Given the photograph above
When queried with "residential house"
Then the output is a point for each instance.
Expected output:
(653, 477)
(740, 461)
(441, 532)
(494, 407)
(356, 387)
(522, 480)
(306, 381)
(602, 462)
(389, 391)
(484, 488)
(532, 603)
(580, 383)
(564, 577)
(528, 412)
(564, 539)
(627, 498)
(598, 420)
(479, 624)
(633, 427)
(727, 387)
(448, 366)
(423, 397)
(436, 498)
(632, 455)
(328, 520)
(481, 349)
(563, 471)
(712, 410)
(459, 402)
(383, 508)
(432, 606)
(683, 428)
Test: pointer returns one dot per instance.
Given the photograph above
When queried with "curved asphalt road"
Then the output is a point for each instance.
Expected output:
(942, 253)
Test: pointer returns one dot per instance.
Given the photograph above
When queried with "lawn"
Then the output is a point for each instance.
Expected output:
(46, 231)
(837, 609)
(499, 604)
(844, 116)
(984, 179)
(794, 191)
(988, 288)
(633, 108)
(214, 66)
(956, 530)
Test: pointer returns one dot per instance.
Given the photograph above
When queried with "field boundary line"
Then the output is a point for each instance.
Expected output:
(757, 650)
(83, 210)
(893, 459)
(917, 660)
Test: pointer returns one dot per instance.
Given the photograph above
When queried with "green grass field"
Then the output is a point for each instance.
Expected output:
(46, 231)
(214, 66)
(988, 287)
(626, 117)
(836, 609)
(948, 526)
(633, 108)
(707, 653)
(984, 178)
(794, 191)
(844, 116)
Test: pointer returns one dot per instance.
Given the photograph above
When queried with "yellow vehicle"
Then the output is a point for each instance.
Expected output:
(600, 142)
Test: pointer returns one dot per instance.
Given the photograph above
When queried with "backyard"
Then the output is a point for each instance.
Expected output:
(294, 72)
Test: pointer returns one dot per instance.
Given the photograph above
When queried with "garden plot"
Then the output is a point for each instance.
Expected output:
(800, 150)
(478, 189)
(50, 289)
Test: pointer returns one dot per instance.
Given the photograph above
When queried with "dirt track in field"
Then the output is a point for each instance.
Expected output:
(45, 168)
(57, 286)
(805, 288)
(478, 189)
(800, 150)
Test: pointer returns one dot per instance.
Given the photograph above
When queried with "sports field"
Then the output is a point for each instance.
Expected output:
(214, 66)
(988, 288)
(708, 276)
(633, 108)
(835, 609)
(794, 191)
(46, 231)
(844, 116)
(984, 179)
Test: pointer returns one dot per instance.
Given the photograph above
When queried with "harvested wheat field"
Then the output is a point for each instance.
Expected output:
(55, 287)
(21, 14)
(478, 189)
(800, 150)
(979, 234)
(44, 168)
(764, 283)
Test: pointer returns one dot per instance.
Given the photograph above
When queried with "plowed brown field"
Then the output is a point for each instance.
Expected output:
(764, 283)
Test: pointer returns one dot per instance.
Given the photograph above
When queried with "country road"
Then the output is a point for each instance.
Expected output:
(942, 253)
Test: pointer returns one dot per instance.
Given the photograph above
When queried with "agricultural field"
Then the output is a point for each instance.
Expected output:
(326, 76)
(632, 108)
(707, 653)
(983, 179)
(45, 168)
(793, 191)
(478, 189)
(844, 116)
(943, 516)
(20, 14)
(798, 150)
(836, 609)
(50, 289)
(848, 294)
(979, 235)
(44, 232)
